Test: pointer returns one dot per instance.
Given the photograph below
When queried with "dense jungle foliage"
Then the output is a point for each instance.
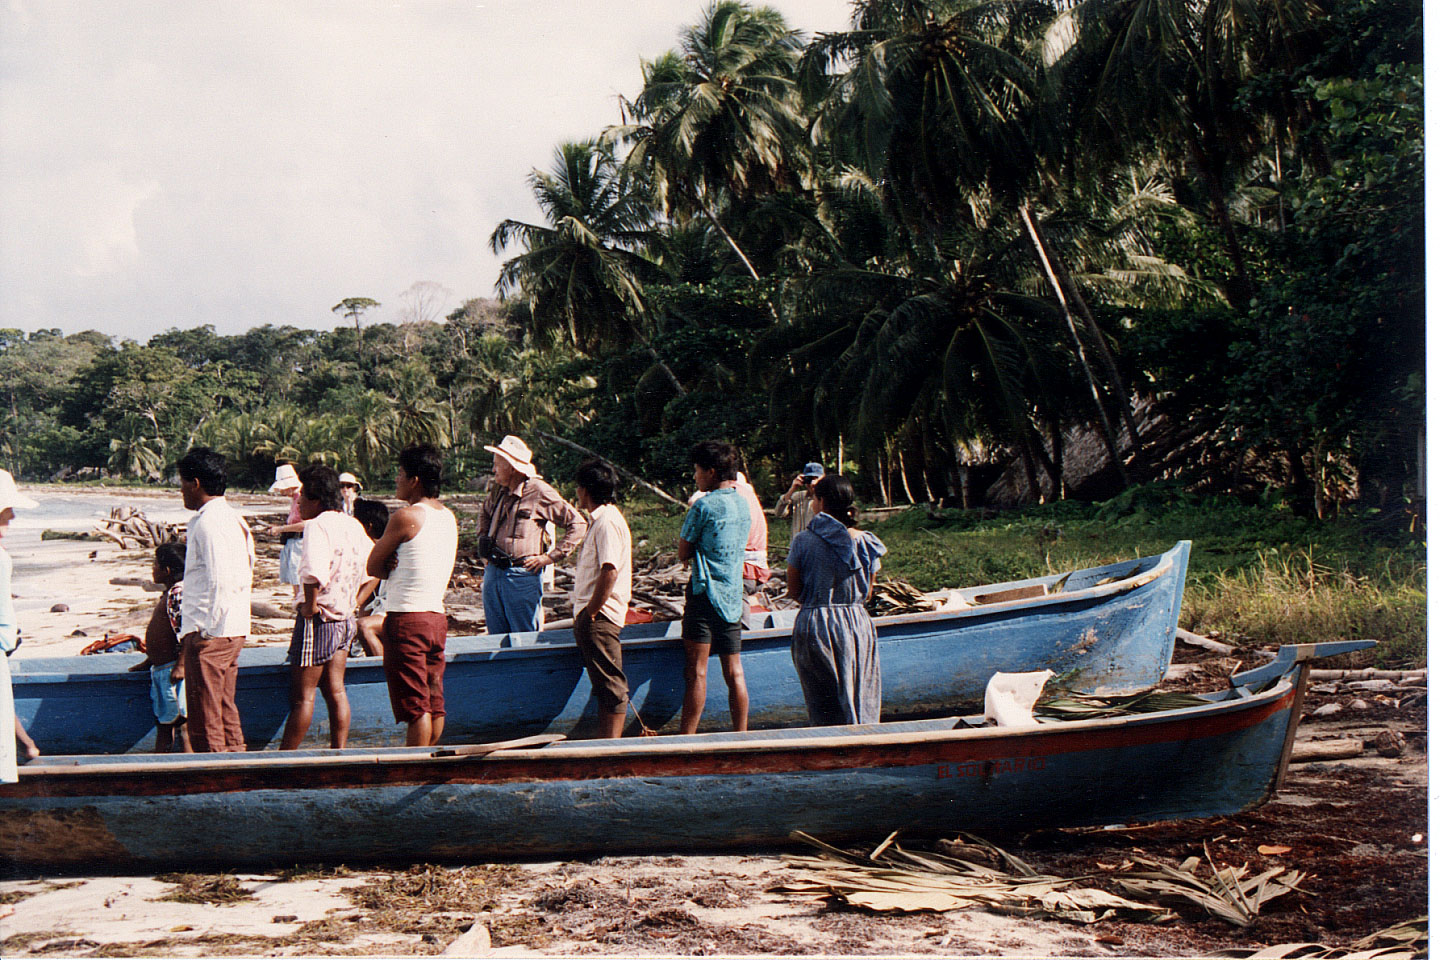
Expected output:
(1066, 245)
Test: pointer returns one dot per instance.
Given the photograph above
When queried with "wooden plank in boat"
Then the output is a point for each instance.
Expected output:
(1017, 593)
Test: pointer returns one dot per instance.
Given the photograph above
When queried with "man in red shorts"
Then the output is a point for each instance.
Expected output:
(415, 556)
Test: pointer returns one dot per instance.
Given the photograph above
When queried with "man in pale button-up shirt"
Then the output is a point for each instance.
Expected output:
(215, 607)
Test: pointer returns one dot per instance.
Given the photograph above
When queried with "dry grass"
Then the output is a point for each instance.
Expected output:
(1290, 597)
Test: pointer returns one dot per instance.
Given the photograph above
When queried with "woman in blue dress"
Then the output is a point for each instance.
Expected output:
(830, 570)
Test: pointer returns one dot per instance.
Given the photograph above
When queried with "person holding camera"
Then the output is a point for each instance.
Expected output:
(511, 526)
(795, 503)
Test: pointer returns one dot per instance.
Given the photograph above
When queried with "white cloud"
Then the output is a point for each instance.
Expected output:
(255, 161)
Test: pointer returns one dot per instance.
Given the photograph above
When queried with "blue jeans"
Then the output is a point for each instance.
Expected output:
(512, 599)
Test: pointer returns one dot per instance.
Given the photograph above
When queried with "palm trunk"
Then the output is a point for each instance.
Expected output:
(1073, 296)
(1108, 430)
(665, 368)
(715, 222)
(1240, 288)
(904, 480)
(618, 469)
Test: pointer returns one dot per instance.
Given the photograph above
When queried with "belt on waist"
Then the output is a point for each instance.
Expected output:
(506, 563)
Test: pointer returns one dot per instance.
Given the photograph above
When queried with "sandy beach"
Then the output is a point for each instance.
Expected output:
(1358, 827)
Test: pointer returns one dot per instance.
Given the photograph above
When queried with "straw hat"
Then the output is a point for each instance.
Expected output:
(10, 495)
(285, 479)
(514, 450)
(350, 478)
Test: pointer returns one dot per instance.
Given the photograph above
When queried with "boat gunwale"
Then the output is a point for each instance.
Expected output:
(1165, 562)
(88, 766)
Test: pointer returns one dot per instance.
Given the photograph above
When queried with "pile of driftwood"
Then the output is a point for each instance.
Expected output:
(129, 524)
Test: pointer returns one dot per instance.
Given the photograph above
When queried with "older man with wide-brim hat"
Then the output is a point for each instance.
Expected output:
(511, 529)
(10, 499)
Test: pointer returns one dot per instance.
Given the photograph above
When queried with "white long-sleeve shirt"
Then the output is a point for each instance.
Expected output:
(219, 566)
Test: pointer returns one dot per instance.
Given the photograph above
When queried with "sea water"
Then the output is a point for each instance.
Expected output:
(42, 567)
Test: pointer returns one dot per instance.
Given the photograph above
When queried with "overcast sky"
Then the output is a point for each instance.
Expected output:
(240, 162)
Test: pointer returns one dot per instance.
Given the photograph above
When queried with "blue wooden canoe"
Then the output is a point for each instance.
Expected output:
(661, 794)
(1106, 630)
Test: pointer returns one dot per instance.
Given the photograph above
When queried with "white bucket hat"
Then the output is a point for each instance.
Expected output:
(10, 495)
(350, 478)
(285, 478)
(513, 449)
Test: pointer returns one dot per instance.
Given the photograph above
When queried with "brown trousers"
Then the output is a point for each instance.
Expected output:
(211, 666)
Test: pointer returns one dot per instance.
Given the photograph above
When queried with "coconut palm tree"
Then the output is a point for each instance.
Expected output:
(582, 273)
(372, 423)
(938, 103)
(1126, 76)
(137, 452)
(721, 117)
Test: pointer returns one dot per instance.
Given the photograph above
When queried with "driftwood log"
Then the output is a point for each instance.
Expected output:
(1317, 751)
(1204, 643)
(129, 523)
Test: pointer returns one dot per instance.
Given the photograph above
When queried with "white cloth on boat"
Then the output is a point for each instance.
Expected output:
(833, 641)
(1010, 698)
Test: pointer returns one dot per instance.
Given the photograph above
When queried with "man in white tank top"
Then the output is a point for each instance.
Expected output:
(415, 556)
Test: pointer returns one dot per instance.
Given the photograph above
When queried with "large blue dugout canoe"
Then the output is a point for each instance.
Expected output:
(664, 794)
(1104, 630)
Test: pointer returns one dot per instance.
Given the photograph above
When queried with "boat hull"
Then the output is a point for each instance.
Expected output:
(1099, 638)
(671, 794)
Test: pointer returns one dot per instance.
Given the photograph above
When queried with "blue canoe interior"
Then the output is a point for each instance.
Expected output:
(537, 798)
(1105, 630)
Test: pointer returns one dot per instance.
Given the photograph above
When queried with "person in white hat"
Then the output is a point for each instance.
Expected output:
(10, 498)
(350, 488)
(511, 527)
(287, 481)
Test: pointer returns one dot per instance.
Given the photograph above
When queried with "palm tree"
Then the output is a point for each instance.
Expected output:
(582, 273)
(372, 424)
(722, 117)
(135, 453)
(938, 104)
(286, 436)
(1125, 76)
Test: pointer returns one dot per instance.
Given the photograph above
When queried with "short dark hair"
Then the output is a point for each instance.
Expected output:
(839, 496)
(423, 462)
(170, 555)
(714, 455)
(598, 479)
(206, 467)
(373, 516)
(322, 484)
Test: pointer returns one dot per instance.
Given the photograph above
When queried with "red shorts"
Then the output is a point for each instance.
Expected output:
(414, 646)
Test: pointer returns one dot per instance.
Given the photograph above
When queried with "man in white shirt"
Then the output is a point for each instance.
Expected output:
(602, 593)
(215, 607)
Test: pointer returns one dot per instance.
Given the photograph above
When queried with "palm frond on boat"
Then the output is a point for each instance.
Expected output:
(1078, 707)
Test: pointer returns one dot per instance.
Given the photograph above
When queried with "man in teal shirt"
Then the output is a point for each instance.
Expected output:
(713, 539)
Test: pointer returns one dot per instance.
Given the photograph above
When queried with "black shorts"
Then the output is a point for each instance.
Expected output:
(701, 624)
